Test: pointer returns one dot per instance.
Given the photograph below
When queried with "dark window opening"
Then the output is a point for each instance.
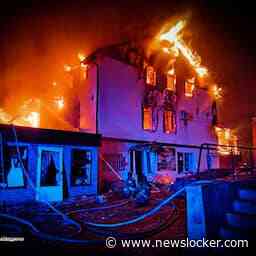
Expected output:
(166, 159)
(186, 162)
(150, 76)
(149, 167)
(136, 160)
(180, 162)
(50, 161)
(81, 167)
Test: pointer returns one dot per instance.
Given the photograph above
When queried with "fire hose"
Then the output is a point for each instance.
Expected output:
(46, 236)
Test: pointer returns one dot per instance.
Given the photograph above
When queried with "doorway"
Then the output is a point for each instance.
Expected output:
(50, 174)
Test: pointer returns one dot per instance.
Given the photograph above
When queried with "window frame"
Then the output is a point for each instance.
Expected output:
(57, 149)
(173, 121)
(143, 119)
(173, 77)
(91, 167)
(149, 79)
(189, 82)
(21, 145)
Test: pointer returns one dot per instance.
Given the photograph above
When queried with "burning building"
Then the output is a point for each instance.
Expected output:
(148, 106)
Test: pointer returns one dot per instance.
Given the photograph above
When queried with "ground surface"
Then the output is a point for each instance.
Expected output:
(168, 223)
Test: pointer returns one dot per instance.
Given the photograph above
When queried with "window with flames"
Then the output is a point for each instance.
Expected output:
(150, 76)
(148, 118)
(189, 87)
(169, 121)
(227, 140)
(171, 80)
(81, 167)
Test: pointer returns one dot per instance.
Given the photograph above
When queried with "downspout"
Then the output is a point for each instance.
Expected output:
(97, 97)
(97, 125)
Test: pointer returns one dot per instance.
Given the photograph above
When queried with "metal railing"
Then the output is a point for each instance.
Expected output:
(215, 147)
(2, 173)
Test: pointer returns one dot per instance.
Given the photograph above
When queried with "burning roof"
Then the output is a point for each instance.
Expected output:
(170, 45)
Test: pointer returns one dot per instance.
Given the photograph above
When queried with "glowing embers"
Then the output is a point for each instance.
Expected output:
(67, 68)
(4, 116)
(150, 76)
(201, 71)
(83, 71)
(59, 102)
(81, 56)
(169, 121)
(28, 114)
(227, 140)
(33, 118)
(189, 87)
(216, 92)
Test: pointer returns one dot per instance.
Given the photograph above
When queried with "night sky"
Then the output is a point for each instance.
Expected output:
(39, 37)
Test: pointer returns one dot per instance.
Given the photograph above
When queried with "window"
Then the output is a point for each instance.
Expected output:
(150, 75)
(50, 174)
(189, 87)
(116, 161)
(190, 162)
(13, 175)
(171, 80)
(81, 167)
(169, 121)
(225, 137)
(166, 159)
(2, 172)
(148, 162)
(49, 181)
(147, 118)
(186, 162)
(214, 113)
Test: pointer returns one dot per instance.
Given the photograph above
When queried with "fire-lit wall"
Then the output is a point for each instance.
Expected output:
(254, 138)
(121, 93)
(88, 101)
(120, 106)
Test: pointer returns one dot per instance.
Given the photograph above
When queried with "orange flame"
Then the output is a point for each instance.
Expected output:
(172, 34)
(59, 101)
(201, 71)
(67, 68)
(216, 91)
(33, 119)
(81, 56)
(174, 38)
(226, 138)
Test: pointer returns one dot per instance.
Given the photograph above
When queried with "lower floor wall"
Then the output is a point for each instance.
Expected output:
(56, 172)
(49, 172)
(119, 159)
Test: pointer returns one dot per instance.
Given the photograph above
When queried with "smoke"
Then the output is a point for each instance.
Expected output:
(38, 41)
